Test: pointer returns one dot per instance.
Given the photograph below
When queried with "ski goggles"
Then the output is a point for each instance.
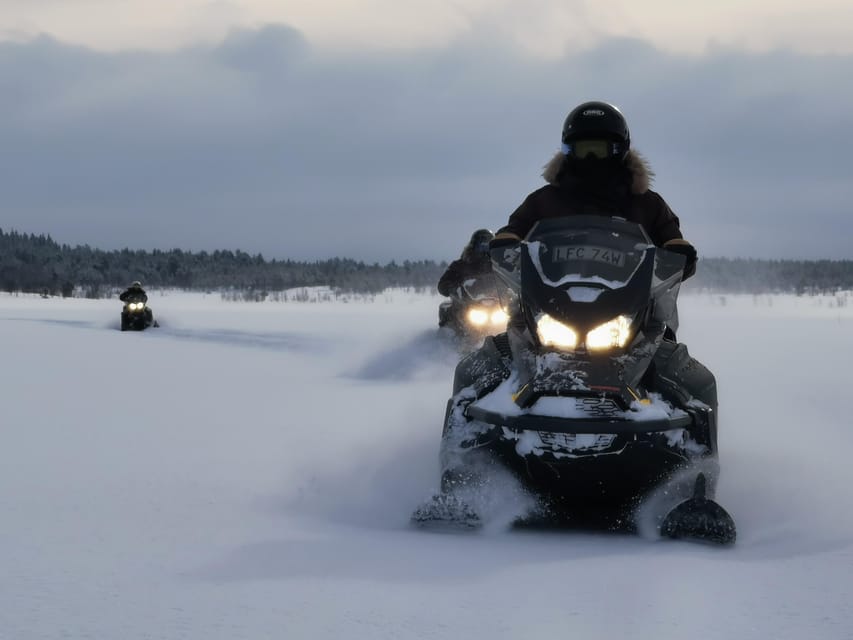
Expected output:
(600, 149)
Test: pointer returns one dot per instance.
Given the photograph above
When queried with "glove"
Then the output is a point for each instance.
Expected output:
(681, 246)
(505, 239)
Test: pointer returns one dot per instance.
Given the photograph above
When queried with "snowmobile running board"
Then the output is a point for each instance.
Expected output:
(527, 422)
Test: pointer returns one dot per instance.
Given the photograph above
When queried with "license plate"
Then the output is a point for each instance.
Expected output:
(605, 255)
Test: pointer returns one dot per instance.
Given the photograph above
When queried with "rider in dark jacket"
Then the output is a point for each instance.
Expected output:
(133, 293)
(597, 172)
(474, 262)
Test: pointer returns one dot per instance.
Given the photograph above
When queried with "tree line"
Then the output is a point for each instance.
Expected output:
(38, 264)
(741, 275)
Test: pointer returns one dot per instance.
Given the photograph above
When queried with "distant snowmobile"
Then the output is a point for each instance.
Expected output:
(586, 402)
(136, 315)
(477, 308)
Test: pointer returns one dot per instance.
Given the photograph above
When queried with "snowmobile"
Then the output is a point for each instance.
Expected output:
(586, 400)
(136, 315)
(476, 309)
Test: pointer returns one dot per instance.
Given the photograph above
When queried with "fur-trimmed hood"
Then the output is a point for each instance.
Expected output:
(634, 161)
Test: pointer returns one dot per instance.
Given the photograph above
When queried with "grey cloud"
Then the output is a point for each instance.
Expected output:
(265, 144)
(272, 50)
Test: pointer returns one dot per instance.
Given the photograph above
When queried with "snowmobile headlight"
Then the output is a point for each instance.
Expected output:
(478, 317)
(499, 318)
(610, 335)
(553, 333)
(135, 306)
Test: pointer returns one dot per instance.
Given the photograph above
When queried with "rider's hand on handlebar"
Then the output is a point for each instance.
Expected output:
(681, 246)
(504, 239)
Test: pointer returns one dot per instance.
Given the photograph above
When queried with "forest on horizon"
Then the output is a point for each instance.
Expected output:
(38, 264)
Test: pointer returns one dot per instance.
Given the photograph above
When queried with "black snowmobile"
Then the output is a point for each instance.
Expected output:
(587, 400)
(476, 309)
(136, 315)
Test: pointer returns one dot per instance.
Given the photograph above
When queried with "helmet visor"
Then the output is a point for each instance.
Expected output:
(582, 149)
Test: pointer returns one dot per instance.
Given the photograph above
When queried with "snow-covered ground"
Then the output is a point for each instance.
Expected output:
(247, 470)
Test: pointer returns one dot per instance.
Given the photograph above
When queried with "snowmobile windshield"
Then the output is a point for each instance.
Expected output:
(483, 287)
(586, 271)
(587, 250)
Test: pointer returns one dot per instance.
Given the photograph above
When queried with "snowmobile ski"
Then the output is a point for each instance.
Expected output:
(446, 511)
(700, 519)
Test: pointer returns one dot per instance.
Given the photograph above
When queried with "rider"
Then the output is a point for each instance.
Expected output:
(597, 172)
(133, 293)
(473, 262)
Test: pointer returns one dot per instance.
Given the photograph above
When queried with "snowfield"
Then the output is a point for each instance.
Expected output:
(247, 471)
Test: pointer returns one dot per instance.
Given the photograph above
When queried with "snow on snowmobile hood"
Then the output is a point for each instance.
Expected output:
(501, 401)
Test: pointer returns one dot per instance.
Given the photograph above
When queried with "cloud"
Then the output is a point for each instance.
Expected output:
(543, 27)
(265, 143)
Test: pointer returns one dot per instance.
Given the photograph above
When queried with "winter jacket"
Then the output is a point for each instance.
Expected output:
(627, 195)
(461, 270)
(133, 295)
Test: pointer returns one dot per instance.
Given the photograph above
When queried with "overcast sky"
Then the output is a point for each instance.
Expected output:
(390, 130)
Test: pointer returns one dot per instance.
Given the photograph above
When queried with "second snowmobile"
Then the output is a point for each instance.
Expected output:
(477, 308)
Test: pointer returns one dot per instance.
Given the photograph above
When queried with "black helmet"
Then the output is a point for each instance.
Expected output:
(136, 285)
(479, 242)
(596, 121)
